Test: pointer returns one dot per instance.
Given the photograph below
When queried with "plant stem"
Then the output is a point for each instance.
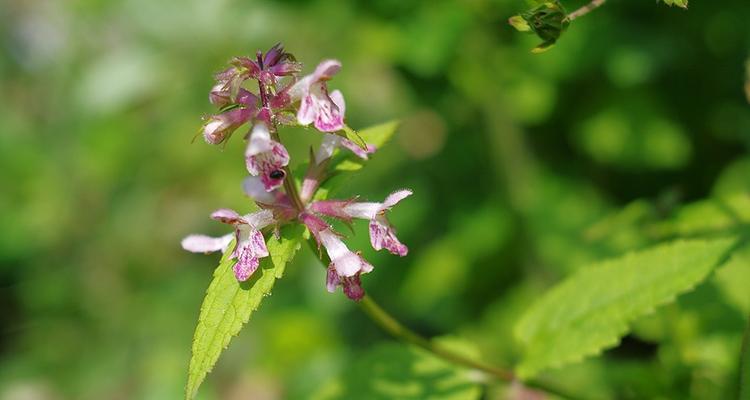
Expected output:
(289, 187)
(399, 331)
(391, 325)
(585, 9)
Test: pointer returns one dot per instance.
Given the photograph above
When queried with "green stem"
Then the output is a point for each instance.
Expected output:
(391, 325)
(289, 186)
(397, 330)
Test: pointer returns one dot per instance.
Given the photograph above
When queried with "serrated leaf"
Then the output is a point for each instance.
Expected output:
(399, 371)
(228, 303)
(592, 309)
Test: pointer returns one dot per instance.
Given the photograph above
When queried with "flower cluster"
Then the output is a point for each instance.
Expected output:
(280, 97)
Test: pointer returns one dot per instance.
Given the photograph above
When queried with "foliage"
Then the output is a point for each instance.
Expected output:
(229, 304)
(547, 20)
(630, 133)
(592, 309)
(397, 371)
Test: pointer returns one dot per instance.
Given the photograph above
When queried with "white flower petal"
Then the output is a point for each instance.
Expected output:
(259, 220)
(260, 140)
(327, 146)
(363, 210)
(253, 187)
(395, 197)
(206, 244)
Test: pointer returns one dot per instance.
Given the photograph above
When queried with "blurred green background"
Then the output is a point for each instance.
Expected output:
(519, 163)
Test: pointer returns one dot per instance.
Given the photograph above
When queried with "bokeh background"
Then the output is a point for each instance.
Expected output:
(520, 163)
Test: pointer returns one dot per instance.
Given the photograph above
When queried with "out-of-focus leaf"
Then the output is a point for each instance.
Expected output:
(706, 217)
(377, 135)
(398, 371)
(633, 138)
(344, 161)
(547, 20)
(519, 23)
(745, 366)
(228, 303)
(441, 270)
(733, 279)
(678, 3)
(592, 309)
(353, 136)
(734, 179)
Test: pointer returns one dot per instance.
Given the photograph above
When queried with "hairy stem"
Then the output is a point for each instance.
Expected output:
(391, 325)
(585, 9)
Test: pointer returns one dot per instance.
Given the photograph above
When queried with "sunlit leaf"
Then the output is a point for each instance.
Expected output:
(592, 309)
(352, 135)
(228, 303)
(678, 3)
(345, 161)
(377, 136)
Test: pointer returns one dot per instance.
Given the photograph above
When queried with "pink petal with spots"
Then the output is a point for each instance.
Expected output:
(382, 236)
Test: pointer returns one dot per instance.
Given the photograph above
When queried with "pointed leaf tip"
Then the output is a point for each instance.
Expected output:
(228, 304)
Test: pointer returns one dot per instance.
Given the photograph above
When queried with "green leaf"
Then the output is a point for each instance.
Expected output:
(678, 3)
(519, 23)
(548, 21)
(352, 135)
(710, 216)
(399, 371)
(228, 303)
(377, 136)
(592, 309)
(745, 366)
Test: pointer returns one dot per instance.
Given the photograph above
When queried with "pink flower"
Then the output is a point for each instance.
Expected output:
(332, 141)
(325, 111)
(352, 284)
(346, 266)
(382, 234)
(250, 248)
(275, 200)
(277, 63)
(265, 157)
(227, 83)
(219, 127)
